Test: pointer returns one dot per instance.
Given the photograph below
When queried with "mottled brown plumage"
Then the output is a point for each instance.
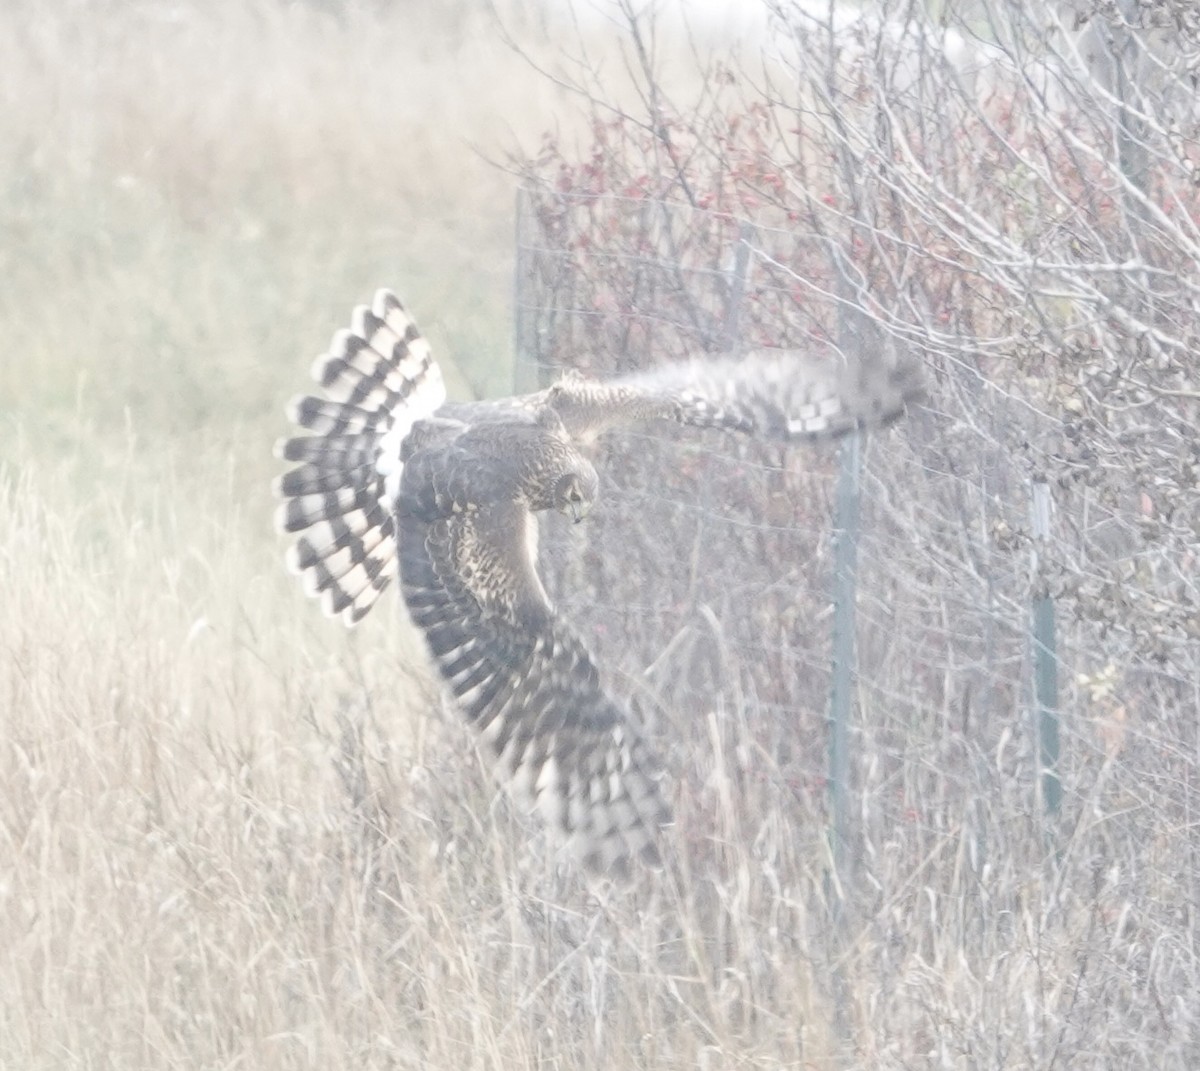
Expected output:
(391, 479)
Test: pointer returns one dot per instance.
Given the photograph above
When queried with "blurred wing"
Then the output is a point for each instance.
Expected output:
(378, 379)
(784, 395)
(526, 682)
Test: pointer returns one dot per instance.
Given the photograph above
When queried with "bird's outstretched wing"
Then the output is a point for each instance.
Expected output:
(381, 485)
(378, 379)
(526, 682)
(785, 395)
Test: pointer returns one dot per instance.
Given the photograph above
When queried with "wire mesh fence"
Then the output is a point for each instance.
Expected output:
(1000, 770)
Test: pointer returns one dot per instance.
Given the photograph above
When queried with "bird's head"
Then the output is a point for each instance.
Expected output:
(575, 491)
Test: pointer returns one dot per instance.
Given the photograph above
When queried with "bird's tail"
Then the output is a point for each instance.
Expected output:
(377, 380)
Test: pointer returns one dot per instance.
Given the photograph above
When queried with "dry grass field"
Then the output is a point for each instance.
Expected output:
(235, 836)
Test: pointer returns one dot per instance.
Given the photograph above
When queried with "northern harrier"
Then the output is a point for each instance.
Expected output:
(389, 478)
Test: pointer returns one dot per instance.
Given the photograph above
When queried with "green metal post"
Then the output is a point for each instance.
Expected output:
(1045, 660)
(845, 552)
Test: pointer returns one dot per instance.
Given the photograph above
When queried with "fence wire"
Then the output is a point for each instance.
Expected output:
(705, 581)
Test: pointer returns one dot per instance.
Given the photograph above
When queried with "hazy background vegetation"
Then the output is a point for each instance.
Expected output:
(192, 197)
(238, 836)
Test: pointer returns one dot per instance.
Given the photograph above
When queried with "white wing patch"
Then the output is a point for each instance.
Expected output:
(427, 396)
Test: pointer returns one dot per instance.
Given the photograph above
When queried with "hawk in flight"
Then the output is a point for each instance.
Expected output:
(390, 479)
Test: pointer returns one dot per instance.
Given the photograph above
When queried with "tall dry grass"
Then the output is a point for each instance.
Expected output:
(234, 835)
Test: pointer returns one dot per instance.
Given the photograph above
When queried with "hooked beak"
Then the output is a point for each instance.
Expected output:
(578, 512)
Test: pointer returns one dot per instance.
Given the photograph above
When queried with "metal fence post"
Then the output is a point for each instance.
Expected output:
(730, 337)
(845, 558)
(1045, 658)
(845, 551)
(526, 353)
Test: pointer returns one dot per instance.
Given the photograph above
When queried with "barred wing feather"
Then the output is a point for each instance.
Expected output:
(529, 687)
(784, 395)
(378, 379)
